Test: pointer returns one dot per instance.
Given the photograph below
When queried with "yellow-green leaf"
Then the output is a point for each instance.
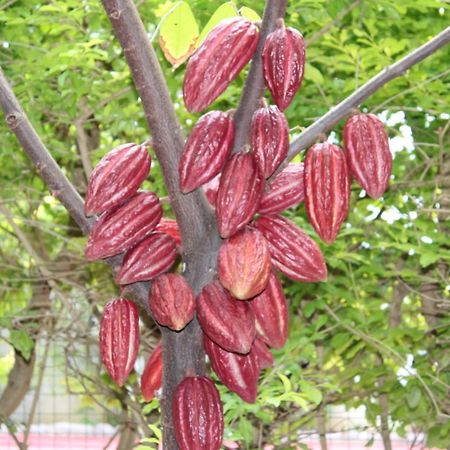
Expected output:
(178, 34)
(250, 14)
(313, 74)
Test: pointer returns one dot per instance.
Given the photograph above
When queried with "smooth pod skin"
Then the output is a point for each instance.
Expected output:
(366, 146)
(327, 189)
(170, 227)
(218, 60)
(151, 378)
(197, 415)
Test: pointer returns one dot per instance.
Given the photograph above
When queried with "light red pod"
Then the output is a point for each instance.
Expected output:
(230, 323)
(271, 314)
(264, 357)
(285, 191)
(172, 301)
(218, 60)
(366, 145)
(197, 415)
(240, 190)
(151, 378)
(244, 264)
(119, 338)
(124, 227)
(283, 64)
(239, 373)
(170, 227)
(206, 150)
(293, 252)
(210, 189)
(327, 189)
(116, 178)
(269, 135)
(153, 256)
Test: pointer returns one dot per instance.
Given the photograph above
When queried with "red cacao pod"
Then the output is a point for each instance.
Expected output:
(271, 314)
(172, 301)
(217, 61)
(239, 373)
(293, 252)
(244, 264)
(270, 138)
(170, 227)
(210, 188)
(283, 64)
(264, 357)
(150, 258)
(327, 189)
(119, 338)
(206, 150)
(116, 178)
(366, 145)
(197, 415)
(151, 379)
(124, 227)
(285, 191)
(230, 323)
(240, 190)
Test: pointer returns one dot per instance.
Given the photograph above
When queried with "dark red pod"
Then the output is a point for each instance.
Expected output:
(283, 64)
(230, 323)
(327, 189)
(116, 178)
(151, 378)
(119, 338)
(366, 145)
(172, 301)
(197, 415)
(170, 227)
(293, 252)
(218, 60)
(240, 190)
(206, 150)
(264, 357)
(285, 191)
(153, 256)
(269, 138)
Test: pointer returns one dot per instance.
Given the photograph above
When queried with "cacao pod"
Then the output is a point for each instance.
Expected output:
(116, 178)
(172, 301)
(210, 189)
(271, 314)
(327, 189)
(270, 138)
(150, 258)
(151, 379)
(240, 190)
(263, 355)
(170, 227)
(239, 373)
(283, 64)
(123, 227)
(206, 150)
(366, 145)
(197, 415)
(230, 323)
(285, 191)
(293, 252)
(244, 263)
(217, 61)
(119, 338)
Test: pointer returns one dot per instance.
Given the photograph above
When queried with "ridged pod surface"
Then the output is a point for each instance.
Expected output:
(244, 264)
(293, 252)
(151, 378)
(263, 355)
(119, 338)
(153, 256)
(269, 134)
(283, 64)
(172, 301)
(366, 145)
(116, 178)
(230, 323)
(170, 227)
(124, 227)
(210, 189)
(327, 189)
(239, 373)
(240, 190)
(217, 61)
(285, 191)
(197, 415)
(206, 150)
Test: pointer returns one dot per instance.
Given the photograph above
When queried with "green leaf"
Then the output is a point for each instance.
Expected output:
(224, 11)
(286, 382)
(250, 14)
(428, 258)
(22, 342)
(310, 392)
(413, 397)
(313, 74)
